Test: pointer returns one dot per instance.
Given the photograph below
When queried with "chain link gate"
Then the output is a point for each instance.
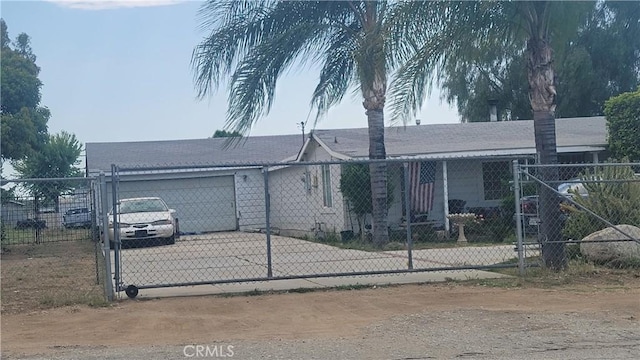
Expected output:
(241, 223)
(583, 200)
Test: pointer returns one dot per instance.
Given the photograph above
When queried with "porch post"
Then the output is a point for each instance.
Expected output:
(445, 189)
(595, 157)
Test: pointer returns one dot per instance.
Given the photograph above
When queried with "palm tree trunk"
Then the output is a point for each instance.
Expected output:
(553, 251)
(373, 83)
(542, 95)
(378, 171)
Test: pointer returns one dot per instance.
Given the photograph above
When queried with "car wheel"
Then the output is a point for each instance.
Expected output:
(170, 240)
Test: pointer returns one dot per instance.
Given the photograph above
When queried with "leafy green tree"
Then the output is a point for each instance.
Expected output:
(356, 43)
(623, 121)
(226, 134)
(24, 121)
(601, 61)
(58, 159)
(454, 32)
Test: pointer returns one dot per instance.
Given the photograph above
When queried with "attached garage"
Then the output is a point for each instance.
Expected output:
(204, 204)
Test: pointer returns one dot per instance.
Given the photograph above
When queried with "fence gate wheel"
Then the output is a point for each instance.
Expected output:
(131, 291)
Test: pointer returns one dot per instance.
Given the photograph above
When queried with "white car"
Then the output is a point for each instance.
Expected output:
(144, 219)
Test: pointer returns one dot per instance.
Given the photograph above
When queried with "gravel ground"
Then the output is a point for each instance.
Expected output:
(459, 334)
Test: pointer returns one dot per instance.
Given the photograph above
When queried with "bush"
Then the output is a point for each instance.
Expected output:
(499, 228)
(495, 227)
(423, 234)
(623, 122)
(617, 202)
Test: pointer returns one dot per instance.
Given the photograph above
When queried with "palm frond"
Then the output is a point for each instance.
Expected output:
(238, 26)
(337, 73)
(253, 83)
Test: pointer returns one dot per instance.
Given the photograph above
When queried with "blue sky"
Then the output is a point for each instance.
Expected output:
(120, 71)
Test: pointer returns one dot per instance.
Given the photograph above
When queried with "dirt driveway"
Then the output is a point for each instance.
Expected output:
(588, 321)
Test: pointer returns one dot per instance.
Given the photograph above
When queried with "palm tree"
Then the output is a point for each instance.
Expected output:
(459, 33)
(355, 42)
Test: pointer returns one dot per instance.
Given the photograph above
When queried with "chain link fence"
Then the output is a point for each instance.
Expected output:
(589, 211)
(36, 211)
(177, 226)
(50, 240)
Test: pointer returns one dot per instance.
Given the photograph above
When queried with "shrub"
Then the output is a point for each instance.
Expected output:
(355, 185)
(617, 202)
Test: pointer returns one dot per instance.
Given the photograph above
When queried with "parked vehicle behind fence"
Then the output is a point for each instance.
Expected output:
(77, 218)
(144, 219)
(529, 204)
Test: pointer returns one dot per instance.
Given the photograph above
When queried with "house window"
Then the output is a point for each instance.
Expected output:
(326, 186)
(495, 177)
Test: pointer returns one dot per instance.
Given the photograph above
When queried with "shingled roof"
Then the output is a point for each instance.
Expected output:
(194, 152)
(468, 139)
(438, 141)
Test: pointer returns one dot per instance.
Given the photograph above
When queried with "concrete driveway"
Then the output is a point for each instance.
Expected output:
(236, 256)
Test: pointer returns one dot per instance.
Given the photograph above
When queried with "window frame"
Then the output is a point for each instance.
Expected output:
(494, 188)
(327, 192)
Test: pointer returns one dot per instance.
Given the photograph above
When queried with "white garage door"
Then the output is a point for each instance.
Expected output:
(203, 204)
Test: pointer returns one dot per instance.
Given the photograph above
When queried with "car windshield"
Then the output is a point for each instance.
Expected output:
(142, 205)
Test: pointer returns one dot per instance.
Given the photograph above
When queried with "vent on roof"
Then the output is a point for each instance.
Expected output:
(493, 110)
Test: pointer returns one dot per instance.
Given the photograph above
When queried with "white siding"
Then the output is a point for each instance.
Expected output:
(250, 202)
(465, 182)
(297, 205)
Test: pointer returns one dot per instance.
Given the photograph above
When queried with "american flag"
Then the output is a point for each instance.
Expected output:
(422, 176)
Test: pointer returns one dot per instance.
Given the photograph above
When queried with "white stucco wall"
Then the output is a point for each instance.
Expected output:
(297, 203)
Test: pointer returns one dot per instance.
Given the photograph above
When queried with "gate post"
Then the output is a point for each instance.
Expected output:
(267, 205)
(116, 225)
(104, 211)
(407, 211)
(516, 192)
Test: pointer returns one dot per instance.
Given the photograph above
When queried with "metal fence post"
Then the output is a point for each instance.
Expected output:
(93, 189)
(516, 192)
(407, 210)
(104, 212)
(267, 205)
(116, 225)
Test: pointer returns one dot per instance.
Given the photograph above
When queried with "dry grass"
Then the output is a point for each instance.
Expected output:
(579, 274)
(36, 277)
